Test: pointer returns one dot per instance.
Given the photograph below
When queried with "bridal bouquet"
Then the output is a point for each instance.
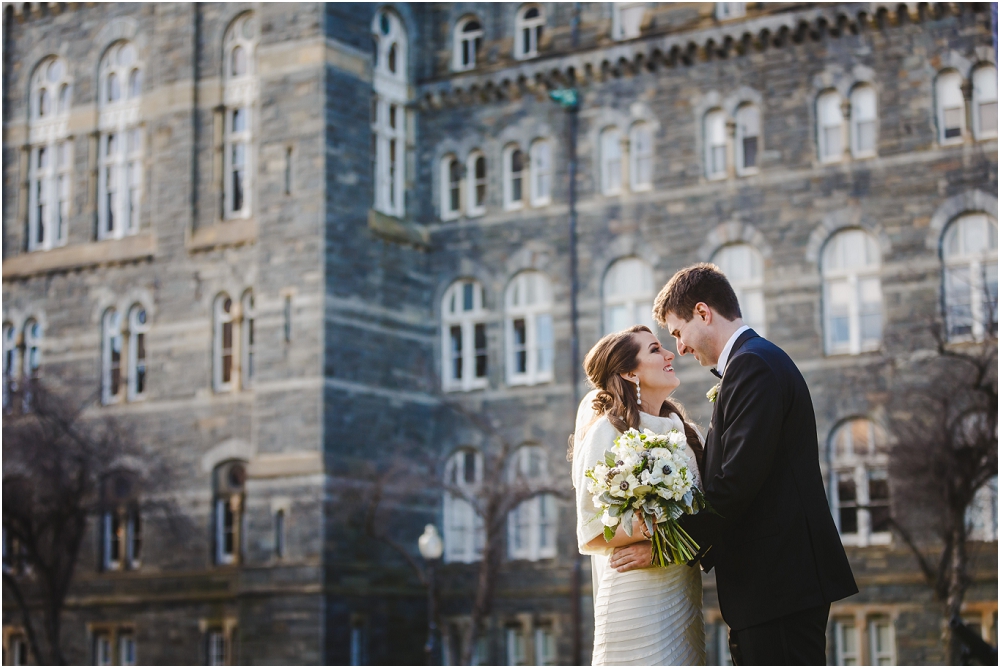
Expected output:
(647, 474)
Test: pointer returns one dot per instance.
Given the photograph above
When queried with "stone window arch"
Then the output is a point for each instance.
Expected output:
(830, 126)
(950, 104)
(628, 294)
(743, 265)
(464, 353)
(451, 187)
(513, 177)
(121, 145)
(540, 153)
(389, 83)
(984, 102)
(468, 40)
(864, 121)
(50, 167)
(969, 254)
(716, 144)
(476, 178)
(464, 532)
(860, 482)
(528, 27)
(852, 292)
(528, 316)
(238, 109)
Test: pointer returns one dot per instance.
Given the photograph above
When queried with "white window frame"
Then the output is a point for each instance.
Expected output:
(730, 10)
(716, 145)
(221, 318)
(112, 336)
(103, 649)
(509, 203)
(886, 657)
(632, 291)
(640, 157)
(858, 118)
(540, 171)
(49, 188)
(390, 123)
(453, 314)
(537, 316)
(124, 161)
(474, 182)
(984, 92)
(248, 348)
(855, 278)
(533, 520)
(858, 467)
(626, 20)
(11, 361)
(745, 114)
(464, 532)
(842, 626)
(239, 97)
(976, 265)
(449, 186)
(829, 125)
(610, 153)
(515, 644)
(467, 43)
(217, 648)
(222, 556)
(949, 98)
(528, 31)
(138, 327)
(545, 646)
(746, 276)
(127, 649)
(32, 335)
(981, 515)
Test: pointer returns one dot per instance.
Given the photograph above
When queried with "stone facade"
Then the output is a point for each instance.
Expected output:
(348, 299)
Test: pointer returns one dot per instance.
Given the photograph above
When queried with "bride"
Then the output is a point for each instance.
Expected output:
(642, 615)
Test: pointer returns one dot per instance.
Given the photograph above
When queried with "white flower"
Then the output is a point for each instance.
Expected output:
(609, 521)
(622, 483)
(675, 437)
(713, 393)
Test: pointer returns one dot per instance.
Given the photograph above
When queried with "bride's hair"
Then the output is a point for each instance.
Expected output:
(617, 398)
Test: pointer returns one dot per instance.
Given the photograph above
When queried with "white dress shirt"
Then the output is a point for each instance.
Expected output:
(724, 356)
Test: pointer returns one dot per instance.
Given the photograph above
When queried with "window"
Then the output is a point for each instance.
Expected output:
(715, 144)
(279, 534)
(464, 354)
(32, 349)
(389, 114)
(513, 178)
(864, 121)
(217, 648)
(528, 31)
(730, 10)
(611, 161)
(468, 40)
(950, 107)
(120, 147)
(981, 515)
(969, 252)
(626, 19)
(112, 344)
(121, 539)
(541, 172)
(860, 486)
(239, 99)
(126, 649)
(529, 329)
(516, 646)
(476, 170)
(880, 641)
(10, 362)
(531, 526)
(451, 187)
(628, 295)
(852, 293)
(831, 127)
(103, 655)
(984, 102)
(229, 479)
(545, 646)
(641, 167)
(747, 139)
(464, 533)
(744, 267)
(137, 328)
(248, 348)
(16, 651)
(233, 340)
(845, 639)
(49, 156)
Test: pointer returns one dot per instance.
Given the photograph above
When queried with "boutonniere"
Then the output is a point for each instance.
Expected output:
(713, 393)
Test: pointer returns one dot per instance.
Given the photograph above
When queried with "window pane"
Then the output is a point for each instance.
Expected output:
(544, 334)
(847, 495)
(878, 499)
(749, 152)
(456, 352)
(480, 342)
(953, 122)
(520, 346)
(988, 117)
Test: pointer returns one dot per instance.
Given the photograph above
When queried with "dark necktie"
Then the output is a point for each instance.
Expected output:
(715, 372)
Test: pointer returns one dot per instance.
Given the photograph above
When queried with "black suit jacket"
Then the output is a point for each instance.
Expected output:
(774, 545)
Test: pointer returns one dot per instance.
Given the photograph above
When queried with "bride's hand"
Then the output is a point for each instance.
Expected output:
(631, 557)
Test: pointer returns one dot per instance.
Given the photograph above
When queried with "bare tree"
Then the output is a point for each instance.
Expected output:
(58, 468)
(943, 418)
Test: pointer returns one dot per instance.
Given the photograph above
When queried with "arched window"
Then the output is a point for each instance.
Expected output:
(464, 355)
(981, 515)
(529, 329)
(950, 107)
(852, 293)
(475, 168)
(121, 145)
(468, 40)
(831, 127)
(464, 534)
(248, 350)
(121, 526)
(531, 526)
(611, 161)
(138, 325)
(860, 485)
(541, 172)
(715, 144)
(969, 252)
(112, 343)
(32, 348)
(984, 102)
(222, 367)
(451, 187)
(239, 102)
(389, 113)
(641, 155)
(864, 121)
(513, 178)
(49, 156)
(747, 139)
(626, 19)
(628, 295)
(743, 265)
(229, 481)
(528, 31)
(10, 370)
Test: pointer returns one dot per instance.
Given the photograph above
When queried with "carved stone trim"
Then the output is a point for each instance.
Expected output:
(78, 256)
(226, 233)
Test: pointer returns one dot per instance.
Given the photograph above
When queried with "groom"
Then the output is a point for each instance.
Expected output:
(777, 555)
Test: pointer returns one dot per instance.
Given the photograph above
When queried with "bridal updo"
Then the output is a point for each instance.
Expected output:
(617, 399)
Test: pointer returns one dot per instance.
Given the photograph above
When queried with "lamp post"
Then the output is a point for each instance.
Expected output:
(431, 548)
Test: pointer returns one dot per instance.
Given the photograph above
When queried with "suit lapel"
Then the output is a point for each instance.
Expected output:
(713, 445)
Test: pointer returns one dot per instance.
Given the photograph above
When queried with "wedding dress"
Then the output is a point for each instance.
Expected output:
(647, 616)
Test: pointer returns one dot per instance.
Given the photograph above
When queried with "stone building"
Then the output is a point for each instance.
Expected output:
(275, 239)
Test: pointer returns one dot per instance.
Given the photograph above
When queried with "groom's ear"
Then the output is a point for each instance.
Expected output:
(703, 312)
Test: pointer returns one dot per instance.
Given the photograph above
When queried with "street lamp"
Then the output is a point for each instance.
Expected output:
(431, 548)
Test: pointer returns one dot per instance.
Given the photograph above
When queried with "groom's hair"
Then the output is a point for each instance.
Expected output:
(702, 282)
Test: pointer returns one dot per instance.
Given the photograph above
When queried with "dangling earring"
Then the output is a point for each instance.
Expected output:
(638, 392)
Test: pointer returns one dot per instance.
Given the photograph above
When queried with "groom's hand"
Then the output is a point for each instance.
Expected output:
(630, 557)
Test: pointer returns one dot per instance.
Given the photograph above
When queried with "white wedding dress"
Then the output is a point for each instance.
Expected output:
(648, 616)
